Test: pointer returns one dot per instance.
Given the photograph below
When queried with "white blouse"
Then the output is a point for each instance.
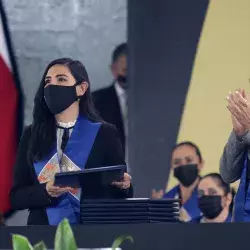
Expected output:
(59, 135)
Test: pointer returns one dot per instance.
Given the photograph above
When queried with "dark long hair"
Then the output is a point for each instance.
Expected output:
(225, 186)
(1, 219)
(43, 128)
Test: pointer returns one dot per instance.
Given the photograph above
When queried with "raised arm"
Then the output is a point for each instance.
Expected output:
(232, 160)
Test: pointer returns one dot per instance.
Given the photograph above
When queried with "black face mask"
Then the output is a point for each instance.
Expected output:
(186, 174)
(122, 81)
(59, 98)
(210, 206)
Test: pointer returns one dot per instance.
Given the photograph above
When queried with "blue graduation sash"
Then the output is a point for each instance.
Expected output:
(229, 218)
(191, 205)
(242, 198)
(75, 158)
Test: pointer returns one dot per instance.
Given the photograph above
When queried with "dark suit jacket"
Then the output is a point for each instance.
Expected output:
(233, 157)
(27, 193)
(108, 106)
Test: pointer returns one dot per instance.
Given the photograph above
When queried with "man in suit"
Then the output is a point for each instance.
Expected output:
(111, 102)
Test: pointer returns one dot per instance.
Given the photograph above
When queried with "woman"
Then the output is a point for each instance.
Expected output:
(65, 135)
(186, 163)
(234, 163)
(215, 200)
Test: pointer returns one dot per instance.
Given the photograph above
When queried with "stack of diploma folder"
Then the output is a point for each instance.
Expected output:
(115, 211)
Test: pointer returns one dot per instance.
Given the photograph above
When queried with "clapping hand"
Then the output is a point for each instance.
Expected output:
(239, 106)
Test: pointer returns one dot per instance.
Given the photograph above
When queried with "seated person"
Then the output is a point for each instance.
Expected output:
(186, 163)
(215, 200)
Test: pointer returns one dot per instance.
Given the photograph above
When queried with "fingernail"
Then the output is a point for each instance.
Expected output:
(237, 92)
(227, 97)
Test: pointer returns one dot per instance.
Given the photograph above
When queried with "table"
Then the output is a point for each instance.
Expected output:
(162, 236)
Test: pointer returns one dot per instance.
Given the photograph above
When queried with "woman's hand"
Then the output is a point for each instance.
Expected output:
(54, 191)
(238, 128)
(157, 194)
(239, 106)
(125, 183)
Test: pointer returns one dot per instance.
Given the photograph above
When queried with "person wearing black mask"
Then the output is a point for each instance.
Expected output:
(65, 135)
(215, 200)
(111, 101)
(186, 163)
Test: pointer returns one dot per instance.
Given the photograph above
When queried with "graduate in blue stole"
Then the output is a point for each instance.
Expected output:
(215, 200)
(65, 135)
(234, 163)
(186, 163)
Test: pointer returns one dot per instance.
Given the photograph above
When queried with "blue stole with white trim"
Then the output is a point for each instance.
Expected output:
(242, 198)
(190, 208)
(74, 158)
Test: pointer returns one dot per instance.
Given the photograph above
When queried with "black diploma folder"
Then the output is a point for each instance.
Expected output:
(93, 177)
(126, 211)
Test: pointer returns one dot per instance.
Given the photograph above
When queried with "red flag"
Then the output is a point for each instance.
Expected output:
(10, 115)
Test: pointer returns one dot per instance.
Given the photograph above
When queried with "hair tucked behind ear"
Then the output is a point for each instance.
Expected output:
(225, 186)
(43, 128)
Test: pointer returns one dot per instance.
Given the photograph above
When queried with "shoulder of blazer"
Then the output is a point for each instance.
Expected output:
(107, 130)
(104, 93)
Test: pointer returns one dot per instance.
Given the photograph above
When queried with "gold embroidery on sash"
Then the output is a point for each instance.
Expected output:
(52, 167)
(49, 170)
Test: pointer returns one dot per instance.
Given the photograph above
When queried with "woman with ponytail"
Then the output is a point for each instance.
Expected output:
(215, 200)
